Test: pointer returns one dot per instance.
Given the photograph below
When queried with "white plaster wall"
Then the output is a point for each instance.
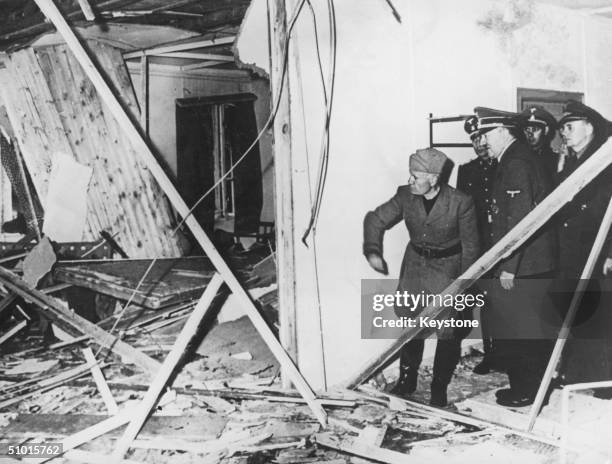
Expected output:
(445, 58)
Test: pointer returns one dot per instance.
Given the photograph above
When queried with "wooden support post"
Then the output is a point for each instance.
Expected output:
(141, 147)
(585, 173)
(285, 261)
(587, 272)
(74, 323)
(96, 372)
(150, 399)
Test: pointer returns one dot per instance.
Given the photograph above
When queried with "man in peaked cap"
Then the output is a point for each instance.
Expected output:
(476, 179)
(539, 127)
(443, 243)
(520, 183)
(588, 355)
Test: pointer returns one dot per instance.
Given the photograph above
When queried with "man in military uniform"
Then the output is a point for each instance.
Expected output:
(443, 243)
(588, 355)
(476, 179)
(539, 128)
(516, 292)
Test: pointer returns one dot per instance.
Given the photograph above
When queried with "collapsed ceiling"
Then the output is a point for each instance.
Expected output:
(22, 20)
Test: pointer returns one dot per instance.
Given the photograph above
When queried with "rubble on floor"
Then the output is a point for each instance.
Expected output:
(225, 404)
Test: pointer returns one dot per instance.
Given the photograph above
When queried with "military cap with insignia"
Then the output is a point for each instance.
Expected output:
(471, 126)
(489, 118)
(578, 111)
(538, 116)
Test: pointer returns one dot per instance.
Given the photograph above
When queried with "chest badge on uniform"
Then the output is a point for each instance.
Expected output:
(513, 193)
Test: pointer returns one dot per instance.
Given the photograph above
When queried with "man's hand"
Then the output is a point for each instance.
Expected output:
(377, 263)
(507, 280)
(607, 267)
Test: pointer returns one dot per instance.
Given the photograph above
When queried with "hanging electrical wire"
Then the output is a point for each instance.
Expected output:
(269, 122)
(324, 160)
(318, 50)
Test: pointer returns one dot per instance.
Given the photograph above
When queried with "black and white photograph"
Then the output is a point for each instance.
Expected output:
(306, 231)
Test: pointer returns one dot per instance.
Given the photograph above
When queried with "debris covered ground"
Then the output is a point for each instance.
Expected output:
(225, 404)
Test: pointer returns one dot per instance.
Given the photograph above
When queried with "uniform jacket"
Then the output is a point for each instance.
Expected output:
(452, 220)
(476, 179)
(579, 220)
(521, 182)
(550, 159)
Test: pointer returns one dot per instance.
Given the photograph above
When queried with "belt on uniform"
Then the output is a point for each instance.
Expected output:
(433, 253)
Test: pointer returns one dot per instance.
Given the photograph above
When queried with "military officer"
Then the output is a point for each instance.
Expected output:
(476, 179)
(443, 243)
(539, 128)
(515, 295)
(588, 355)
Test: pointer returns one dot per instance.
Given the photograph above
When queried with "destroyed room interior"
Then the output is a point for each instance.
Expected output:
(192, 221)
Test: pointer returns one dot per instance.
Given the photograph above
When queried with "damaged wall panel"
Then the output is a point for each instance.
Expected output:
(55, 108)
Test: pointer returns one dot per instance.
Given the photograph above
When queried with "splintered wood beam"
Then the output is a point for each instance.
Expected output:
(141, 147)
(75, 324)
(189, 330)
(87, 10)
(96, 372)
(169, 48)
(20, 325)
(356, 446)
(590, 169)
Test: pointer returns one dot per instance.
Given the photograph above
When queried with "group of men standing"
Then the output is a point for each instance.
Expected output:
(514, 171)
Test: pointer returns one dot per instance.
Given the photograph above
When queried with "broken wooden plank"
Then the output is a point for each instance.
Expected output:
(355, 446)
(87, 10)
(238, 394)
(105, 426)
(76, 324)
(586, 172)
(204, 426)
(44, 385)
(15, 329)
(120, 279)
(189, 331)
(87, 457)
(105, 392)
(140, 145)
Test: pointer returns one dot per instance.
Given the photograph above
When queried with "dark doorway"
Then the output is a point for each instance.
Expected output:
(212, 134)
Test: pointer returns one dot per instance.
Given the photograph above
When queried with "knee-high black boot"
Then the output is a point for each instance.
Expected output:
(411, 355)
(448, 352)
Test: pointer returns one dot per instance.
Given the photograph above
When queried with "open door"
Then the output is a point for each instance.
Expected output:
(212, 134)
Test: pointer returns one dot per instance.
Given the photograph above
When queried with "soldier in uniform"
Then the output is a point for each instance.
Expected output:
(539, 128)
(588, 355)
(516, 292)
(476, 179)
(443, 243)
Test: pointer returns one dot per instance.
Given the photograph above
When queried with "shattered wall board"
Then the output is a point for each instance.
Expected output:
(53, 107)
